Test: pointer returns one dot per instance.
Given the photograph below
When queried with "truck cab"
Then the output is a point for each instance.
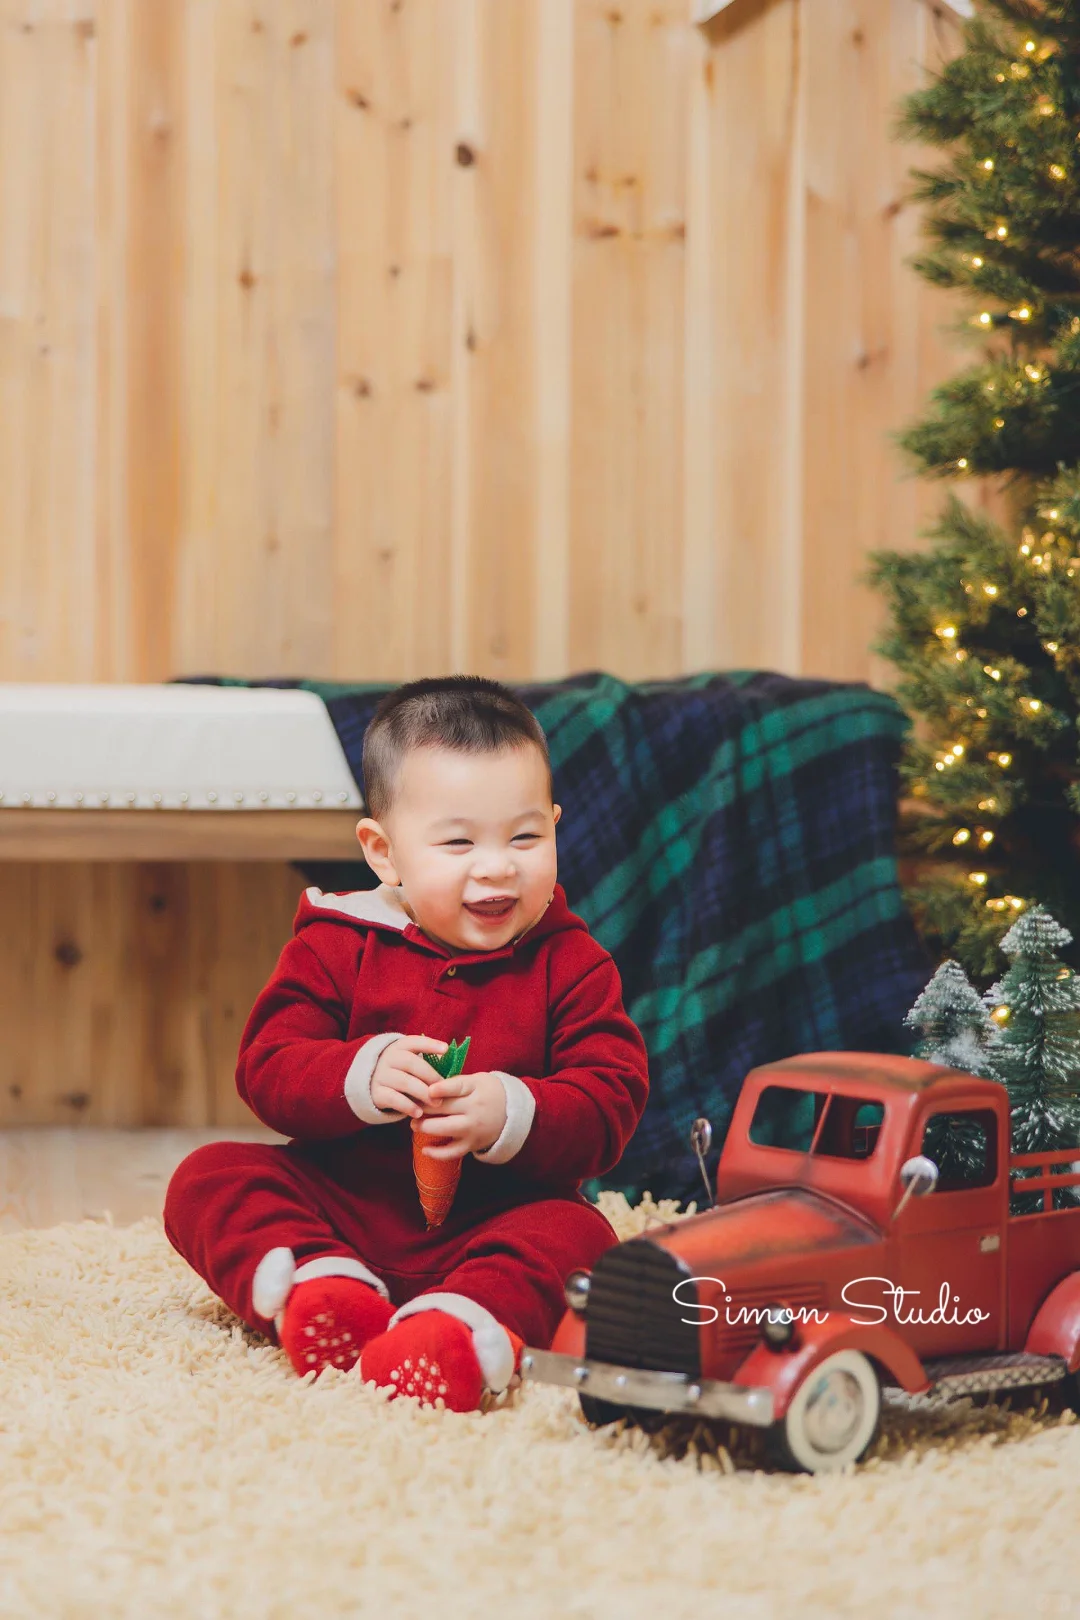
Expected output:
(861, 1237)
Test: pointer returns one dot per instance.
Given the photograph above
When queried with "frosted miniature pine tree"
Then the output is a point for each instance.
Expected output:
(954, 1029)
(953, 1025)
(1037, 1003)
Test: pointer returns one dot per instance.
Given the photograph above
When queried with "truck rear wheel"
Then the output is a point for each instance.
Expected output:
(832, 1418)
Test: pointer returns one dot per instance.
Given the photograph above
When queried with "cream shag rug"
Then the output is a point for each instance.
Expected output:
(157, 1460)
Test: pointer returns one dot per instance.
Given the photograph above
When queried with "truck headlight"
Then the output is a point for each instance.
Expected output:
(576, 1291)
(778, 1326)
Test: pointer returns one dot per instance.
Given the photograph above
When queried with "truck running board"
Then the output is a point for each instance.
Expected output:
(973, 1375)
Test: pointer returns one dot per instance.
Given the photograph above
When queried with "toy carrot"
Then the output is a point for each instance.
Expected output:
(437, 1179)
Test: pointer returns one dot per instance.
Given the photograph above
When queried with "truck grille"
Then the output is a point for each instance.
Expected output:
(632, 1318)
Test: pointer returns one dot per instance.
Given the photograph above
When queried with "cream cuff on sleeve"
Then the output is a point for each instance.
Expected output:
(358, 1081)
(520, 1108)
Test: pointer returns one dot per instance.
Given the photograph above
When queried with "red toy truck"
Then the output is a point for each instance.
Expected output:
(838, 1258)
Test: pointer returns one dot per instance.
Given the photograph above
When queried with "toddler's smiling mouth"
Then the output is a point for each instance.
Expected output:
(493, 910)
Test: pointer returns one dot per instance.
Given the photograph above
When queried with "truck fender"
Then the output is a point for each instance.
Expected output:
(1056, 1328)
(783, 1371)
(569, 1337)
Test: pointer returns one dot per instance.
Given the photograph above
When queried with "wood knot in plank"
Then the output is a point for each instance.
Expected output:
(356, 98)
(464, 155)
(298, 39)
(68, 954)
(75, 1099)
(246, 279)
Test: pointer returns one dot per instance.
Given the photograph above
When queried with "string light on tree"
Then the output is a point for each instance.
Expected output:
(999, 597)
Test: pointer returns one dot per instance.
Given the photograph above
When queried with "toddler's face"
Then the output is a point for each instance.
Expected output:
(471, 840)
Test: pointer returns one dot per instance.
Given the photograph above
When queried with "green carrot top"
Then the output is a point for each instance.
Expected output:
(450, 1062)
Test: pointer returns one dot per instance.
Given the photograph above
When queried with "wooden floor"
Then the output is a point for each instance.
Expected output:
(62, 1174)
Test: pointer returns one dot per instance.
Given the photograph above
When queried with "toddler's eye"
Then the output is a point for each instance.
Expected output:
(450, 842)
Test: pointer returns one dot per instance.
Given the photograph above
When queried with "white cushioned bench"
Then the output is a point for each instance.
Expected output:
(184, 773)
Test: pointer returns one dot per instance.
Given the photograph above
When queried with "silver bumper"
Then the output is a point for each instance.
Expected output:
(662, 1391)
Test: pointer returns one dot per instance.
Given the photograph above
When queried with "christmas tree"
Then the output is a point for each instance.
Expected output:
(985, 624)
(1037, 1004)
(956, 1030)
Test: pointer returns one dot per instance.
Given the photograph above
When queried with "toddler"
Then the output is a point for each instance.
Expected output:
(322, 1241)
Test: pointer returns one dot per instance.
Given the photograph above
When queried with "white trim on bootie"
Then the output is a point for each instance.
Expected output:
(494, 1351)
(277, 1274)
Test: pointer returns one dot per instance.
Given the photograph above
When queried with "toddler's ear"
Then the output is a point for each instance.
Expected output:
(376, 847)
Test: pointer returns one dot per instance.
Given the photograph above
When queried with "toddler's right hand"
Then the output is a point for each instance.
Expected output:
(401, 1078)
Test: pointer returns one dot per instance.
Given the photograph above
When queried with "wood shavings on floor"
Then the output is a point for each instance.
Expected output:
(157, 1459)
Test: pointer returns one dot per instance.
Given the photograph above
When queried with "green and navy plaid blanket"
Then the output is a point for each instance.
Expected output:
(730, 840)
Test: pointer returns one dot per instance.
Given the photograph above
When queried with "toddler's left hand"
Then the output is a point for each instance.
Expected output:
(471, 1109)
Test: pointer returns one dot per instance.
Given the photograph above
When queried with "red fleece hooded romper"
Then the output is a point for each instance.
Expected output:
(545, 1012)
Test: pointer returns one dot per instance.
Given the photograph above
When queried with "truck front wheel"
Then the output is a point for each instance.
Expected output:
(832, 1418)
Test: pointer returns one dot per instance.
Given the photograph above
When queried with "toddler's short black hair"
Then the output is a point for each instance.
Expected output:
(469, 713)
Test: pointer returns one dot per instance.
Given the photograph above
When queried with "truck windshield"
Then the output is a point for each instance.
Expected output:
(824, 1123)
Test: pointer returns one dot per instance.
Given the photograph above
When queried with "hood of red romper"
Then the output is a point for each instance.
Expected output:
(383, 908)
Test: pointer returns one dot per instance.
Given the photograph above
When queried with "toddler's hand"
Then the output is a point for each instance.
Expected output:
(471, 1108)
(401, 1079)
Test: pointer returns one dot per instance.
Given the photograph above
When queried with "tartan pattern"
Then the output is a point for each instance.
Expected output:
(730, 840)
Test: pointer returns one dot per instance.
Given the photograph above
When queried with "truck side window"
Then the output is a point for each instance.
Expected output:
(963, 1145)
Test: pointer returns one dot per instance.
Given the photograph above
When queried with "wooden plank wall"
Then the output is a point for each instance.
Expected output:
(380, 338)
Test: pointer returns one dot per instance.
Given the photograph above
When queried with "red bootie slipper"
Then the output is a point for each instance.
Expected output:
(325, 1310)
(328, 1322)
(443, 1347)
